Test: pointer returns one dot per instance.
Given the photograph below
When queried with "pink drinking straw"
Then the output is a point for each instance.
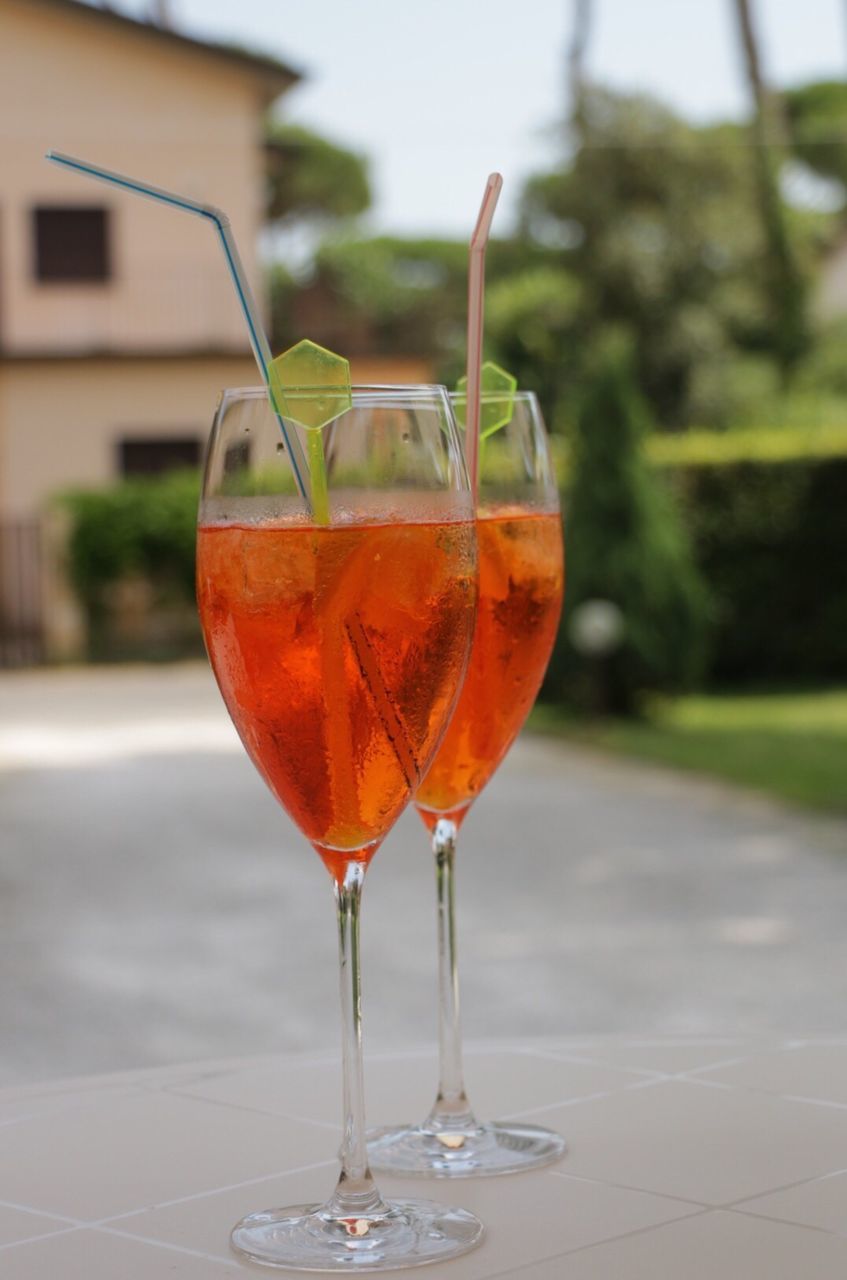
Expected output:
(476, 301)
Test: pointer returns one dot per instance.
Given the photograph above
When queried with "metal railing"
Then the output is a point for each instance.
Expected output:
(21, 605)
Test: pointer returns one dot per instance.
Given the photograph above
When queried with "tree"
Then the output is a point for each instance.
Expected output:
(383, 295)
(625, 547)
(392, 295)
(309, 177)
(785, 279)
(817, 113)
(656, 220)
(533, 328)
(576, 61)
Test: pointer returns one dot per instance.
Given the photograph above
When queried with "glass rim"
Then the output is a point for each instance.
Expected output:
(258, 391)
(433, 390)
(518, 395)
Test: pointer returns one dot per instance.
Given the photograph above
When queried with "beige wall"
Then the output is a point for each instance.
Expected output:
(61, 421)
(130, 101)
(366, 370)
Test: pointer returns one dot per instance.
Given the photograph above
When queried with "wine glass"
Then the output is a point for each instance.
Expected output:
(339, 650)
(521, 577)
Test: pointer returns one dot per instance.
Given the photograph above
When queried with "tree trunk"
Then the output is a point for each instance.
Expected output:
(785, 282)
(576, 65)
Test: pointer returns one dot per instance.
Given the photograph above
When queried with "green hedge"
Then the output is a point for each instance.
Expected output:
(769, 535)
(766, 511)
(770, 539)
(140, 528)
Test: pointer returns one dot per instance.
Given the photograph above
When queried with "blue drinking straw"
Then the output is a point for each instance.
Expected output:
(258, 339)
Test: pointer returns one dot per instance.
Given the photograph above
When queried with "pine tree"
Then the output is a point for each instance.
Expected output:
(625, 545)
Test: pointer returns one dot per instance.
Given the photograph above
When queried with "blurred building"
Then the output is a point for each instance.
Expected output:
(118, 322)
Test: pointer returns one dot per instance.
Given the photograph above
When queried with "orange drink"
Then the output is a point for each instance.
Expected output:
(521, 579)
(338, 651)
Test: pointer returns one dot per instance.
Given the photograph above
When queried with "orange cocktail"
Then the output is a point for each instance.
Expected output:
(521, 579)
(338, 651)
(338, 616)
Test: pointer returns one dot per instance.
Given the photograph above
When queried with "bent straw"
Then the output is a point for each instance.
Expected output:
(258, 339)
(476, 299)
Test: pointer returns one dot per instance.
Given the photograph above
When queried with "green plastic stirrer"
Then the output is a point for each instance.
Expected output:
(497, 399)
(311, 386)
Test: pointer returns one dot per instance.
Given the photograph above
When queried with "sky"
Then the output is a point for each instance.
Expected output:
(438, 93)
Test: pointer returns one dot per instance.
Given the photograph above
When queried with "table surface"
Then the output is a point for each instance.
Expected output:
(687, 1158)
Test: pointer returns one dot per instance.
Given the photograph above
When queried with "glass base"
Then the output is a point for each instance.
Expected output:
(308, 1237)
(478, 1151)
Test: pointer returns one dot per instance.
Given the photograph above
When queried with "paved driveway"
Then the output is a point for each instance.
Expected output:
(155, 905)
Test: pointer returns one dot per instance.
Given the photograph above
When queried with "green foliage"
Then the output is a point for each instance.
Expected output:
(377, 295)
(143, 527)
(625, 545)
(817, 114)
(791, 744)
(395, 296)
(533, 321)
(766, 511)
(400, 291)
(662, 224)
(649, 224)
(759, 445)
(826, 368)
(658, 222)
(769, 539)
(282, 291)
(309, 177)
(766, 516)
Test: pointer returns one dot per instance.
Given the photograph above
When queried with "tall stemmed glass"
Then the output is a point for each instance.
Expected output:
(339, 650)
(521, 575)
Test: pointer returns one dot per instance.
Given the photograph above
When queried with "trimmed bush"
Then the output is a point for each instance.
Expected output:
(141, 529)
(626, 546)
(770, 539)
(768, 534)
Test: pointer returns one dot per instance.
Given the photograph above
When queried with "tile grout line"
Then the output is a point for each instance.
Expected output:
(253, 1111)
(212, 1191)
(723, 1062)
(739, 1087)
(809, 1102)
(580, 1060)
(70, 1224)
(626, 1186)
(638, 1085)
(580, 1098)
(787, 1186)
(729, 1205)
(596, 1244)
(787, 1222)
(648, 1082)
(708, 1084)
(76, 1224)
(636, 1231)
(44, 1213)
(47, 1235)
(166, 1245)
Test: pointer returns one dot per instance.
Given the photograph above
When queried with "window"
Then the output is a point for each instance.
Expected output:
(72, 244)
(151, 456)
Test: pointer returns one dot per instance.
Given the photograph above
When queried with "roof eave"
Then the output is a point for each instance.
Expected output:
(273, 76)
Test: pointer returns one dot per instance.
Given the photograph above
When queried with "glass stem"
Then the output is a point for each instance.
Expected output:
(356, 1197)
(452, 1109)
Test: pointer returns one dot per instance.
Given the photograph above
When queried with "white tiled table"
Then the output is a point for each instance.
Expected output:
(691, 1160)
